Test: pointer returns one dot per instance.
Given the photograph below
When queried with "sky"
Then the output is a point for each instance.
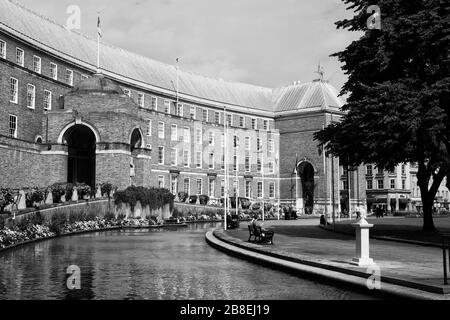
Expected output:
(269, 43)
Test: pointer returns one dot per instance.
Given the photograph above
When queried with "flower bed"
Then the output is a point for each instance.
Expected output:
(35, 228)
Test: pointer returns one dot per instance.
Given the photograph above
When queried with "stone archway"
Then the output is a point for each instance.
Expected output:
(81, 141)
(136, 140)
(306, 173)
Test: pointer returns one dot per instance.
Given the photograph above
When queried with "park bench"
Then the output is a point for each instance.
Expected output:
(260, 235)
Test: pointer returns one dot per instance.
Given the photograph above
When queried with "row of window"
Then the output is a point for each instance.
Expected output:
(370, 169)
(31, 95)
(186, 137)
(179, 110)
(186, 160)
(381, 184)
(212, 187)
(37, 64)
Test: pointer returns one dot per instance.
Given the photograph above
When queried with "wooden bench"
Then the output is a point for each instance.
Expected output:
(260, 235)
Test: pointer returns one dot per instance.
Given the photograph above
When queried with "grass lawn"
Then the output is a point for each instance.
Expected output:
(401, 228)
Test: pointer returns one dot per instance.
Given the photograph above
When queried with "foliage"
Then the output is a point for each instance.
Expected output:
(83, 190)
(110, 216)
(107, 188)
(6, 198)
(57, 223)
(34, 196)
(399, 85)
(69, 191)
(204, 199)
(58, 190)
(182, 196)
(153, 197)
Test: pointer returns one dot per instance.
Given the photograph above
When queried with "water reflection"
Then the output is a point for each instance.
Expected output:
(157, 264)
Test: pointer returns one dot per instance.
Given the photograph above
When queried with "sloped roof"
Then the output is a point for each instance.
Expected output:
(316, 94)
(49, 35)
(99, 84)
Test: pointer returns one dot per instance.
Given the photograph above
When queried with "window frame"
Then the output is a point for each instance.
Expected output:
(50, 95)
(22, 63)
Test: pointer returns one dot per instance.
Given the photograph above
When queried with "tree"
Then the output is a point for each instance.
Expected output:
(398, 110)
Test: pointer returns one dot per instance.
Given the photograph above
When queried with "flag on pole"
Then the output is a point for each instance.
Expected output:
(99, 27)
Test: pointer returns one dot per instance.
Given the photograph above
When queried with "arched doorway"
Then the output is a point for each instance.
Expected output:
(81, 160)
(136, 140)
(306, 173)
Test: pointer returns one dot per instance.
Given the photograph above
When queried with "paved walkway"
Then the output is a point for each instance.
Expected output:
(412, 263)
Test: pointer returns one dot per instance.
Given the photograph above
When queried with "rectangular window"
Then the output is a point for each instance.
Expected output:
(380, 184)
(260, 190)
(12, 126)
(167, 106)
(271, 146)
(161, 182)
(31, 96)
(180, 110)
(403, 169)
(248, 189)
(69, 77)
(369, 170)
(161, 155)
(345, 185)
(154, 103)
(173, 157)
(127, 92)
(217, 117)
(211, 161)
(258, 144)
(266, 125)
(199, 136)
(241, 122)
(161, 129)
(254, 124)
(198, 159)
(211, 188)
(47, 100)
(230, 120)
(235, 163)
(393, 184)
(369, 184)
(223, 162)
(259, 163)
(186, 158)
(235, 142)
(173, 184)
(14, 90)
(187, 186)
(36, 64)
(404, 184)
(2, 49)
(53, 71)
(20, 57)
(247, 143)
(174, 132)
(379, 171)
(222, 188)
(247, 163)
(199, 186)
(271, 167)
(205, 115)
(149, 128)
(222, 140)
(187, 135)
(141, 100)
(272, 190)
(211, 138)
(192, 111)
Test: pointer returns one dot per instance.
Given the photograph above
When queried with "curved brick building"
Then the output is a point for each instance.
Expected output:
(61, 121)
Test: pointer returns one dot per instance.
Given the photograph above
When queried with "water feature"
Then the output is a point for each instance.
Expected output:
(142, 264)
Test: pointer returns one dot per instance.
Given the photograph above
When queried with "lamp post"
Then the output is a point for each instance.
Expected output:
(225, 202)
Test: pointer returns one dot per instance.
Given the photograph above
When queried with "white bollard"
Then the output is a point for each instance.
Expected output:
(362, 258)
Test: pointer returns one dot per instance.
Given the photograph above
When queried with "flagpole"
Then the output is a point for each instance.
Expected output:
(98, 42)
(178, 81)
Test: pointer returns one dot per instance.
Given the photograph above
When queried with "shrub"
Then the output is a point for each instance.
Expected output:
(204, 200)
(193, 199)
(154, 198)
(6, 198)
(69, 191)
(110, 216)
(57, 223)
(37, 219)
(83, 190)
(34, 196)
(107, 189)
(58, 190)
(183, 196)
